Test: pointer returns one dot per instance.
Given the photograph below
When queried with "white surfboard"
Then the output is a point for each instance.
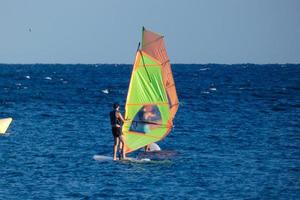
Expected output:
(102, 158)
(4, 124)
(109, 158)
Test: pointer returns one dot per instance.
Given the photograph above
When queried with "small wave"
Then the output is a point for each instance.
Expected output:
(25, 87)
(279, 108)
(18, 84)
(63, 81)
(28, 77)
(105, 91)
(204, 69)
(48, 78)
(213, 89)
(205, 92)
(245, 88)
(5, 134)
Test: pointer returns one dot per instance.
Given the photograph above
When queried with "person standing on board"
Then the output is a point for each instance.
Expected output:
(116, 120)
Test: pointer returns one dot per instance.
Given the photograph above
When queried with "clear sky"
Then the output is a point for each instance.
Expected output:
(196, 31)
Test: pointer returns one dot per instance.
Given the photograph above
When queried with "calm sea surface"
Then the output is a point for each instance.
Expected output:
(236, 134)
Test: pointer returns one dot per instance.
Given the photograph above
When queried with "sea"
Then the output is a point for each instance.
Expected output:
(236, 134)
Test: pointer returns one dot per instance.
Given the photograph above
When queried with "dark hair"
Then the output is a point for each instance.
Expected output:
(116, 105)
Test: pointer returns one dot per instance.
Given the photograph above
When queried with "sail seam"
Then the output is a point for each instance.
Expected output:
(153, 103)
(145, 122)
(152, 136)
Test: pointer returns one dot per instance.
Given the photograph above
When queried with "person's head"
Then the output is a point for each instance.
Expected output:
(116, 106)
(148, 108)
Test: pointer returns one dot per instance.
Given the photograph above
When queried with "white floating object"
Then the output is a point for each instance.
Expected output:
(154, 147)
(4, 124)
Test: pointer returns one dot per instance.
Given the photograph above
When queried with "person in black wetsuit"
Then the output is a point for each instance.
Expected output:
(116, 120)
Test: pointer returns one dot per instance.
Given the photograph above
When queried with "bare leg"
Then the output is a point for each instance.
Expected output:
(122, 145)
(119, 149)
(116, 142)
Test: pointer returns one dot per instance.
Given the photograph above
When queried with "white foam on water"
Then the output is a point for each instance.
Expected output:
(48, 78)
(145, 160)
(28, 77)
(204, 69)
(5, 134)
(105, 91)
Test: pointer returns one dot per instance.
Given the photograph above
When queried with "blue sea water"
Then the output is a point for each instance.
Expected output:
(236, 134)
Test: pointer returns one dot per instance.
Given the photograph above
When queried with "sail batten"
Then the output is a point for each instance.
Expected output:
(152, 101)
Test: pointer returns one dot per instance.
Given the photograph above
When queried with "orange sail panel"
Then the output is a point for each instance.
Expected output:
(153, 44)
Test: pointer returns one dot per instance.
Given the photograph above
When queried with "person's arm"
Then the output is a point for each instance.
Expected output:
(121, 117)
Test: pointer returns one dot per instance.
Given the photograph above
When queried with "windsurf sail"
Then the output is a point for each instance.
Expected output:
(4, 124)
(152, 101)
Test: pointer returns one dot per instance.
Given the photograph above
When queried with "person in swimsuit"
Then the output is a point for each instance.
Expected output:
(116, 120)
(148, 115)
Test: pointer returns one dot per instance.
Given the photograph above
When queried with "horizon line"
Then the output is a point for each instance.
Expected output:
(132, 64)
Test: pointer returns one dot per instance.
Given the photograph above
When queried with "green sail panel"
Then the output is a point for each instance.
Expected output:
(147, 108)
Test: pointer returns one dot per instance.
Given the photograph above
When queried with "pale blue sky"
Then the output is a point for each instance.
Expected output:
(196, 31)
